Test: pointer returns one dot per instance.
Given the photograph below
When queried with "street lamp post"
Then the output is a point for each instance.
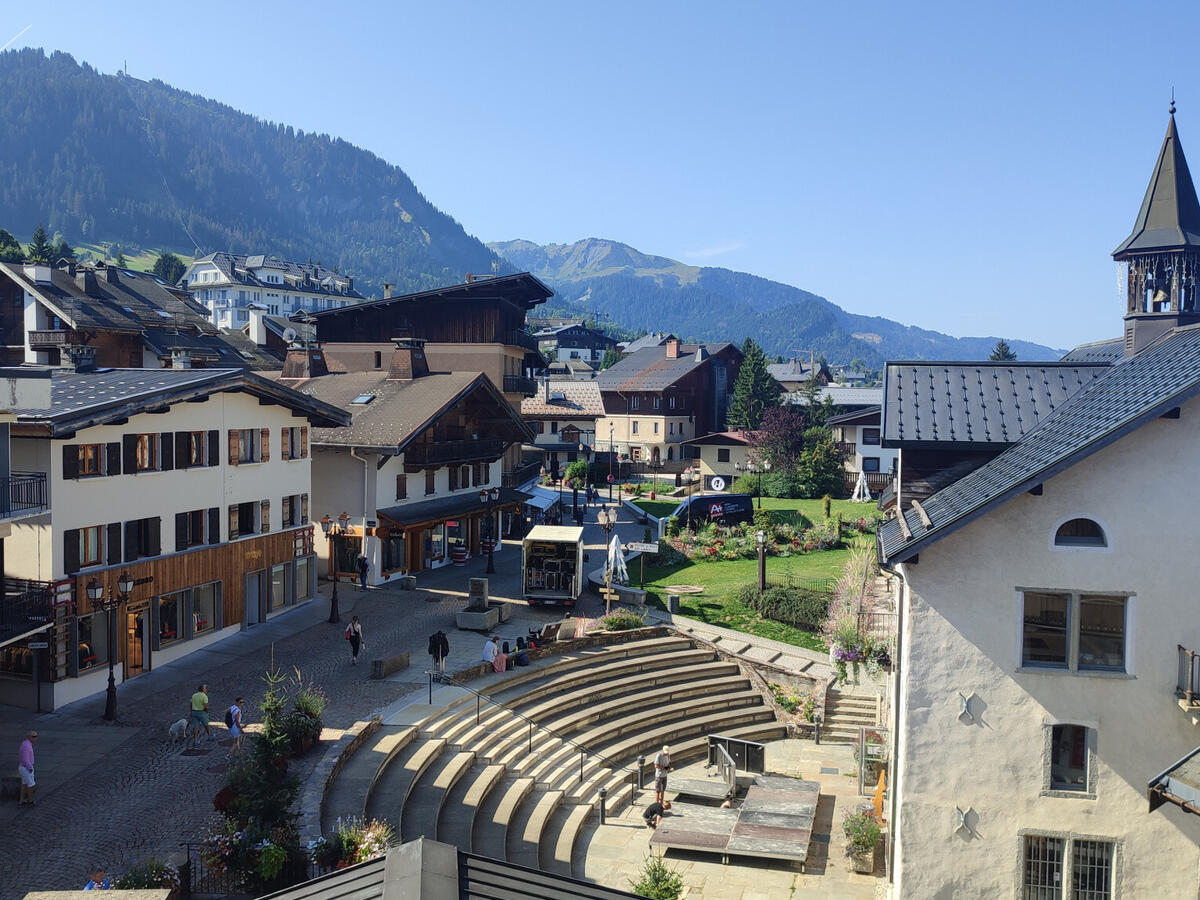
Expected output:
(607, 519)
(762, 562)
(333, 530)
(611, 453)
(110, 603)
(488, 499)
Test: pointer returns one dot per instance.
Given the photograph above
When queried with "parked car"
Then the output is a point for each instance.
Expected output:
(724, 509)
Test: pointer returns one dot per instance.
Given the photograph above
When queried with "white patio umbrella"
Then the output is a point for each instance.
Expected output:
(618, 574)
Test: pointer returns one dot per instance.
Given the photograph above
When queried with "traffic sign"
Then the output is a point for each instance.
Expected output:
(642, 548)
(611, 479)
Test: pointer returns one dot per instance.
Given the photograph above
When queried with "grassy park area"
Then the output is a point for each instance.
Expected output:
(790, 511)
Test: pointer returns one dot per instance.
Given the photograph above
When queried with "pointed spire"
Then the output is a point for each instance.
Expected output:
(1170, 215)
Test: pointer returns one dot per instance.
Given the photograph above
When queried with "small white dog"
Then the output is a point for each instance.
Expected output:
(178, 732)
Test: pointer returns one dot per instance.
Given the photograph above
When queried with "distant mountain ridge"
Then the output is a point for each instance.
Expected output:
(655, 293)
(140, 163)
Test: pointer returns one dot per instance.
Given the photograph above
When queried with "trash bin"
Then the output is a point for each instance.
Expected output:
(672, 603)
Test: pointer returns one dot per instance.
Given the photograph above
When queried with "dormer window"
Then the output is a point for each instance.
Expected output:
(1080, 533)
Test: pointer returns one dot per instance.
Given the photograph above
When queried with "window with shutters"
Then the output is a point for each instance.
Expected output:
(452, 473)
(90, 459)
(401, 487)
(430, 481)
(196, 446)
(146, 452)
(243, 519)
(249, 445)
(91, 545)
(464, 476)
(191, 529)
(142, 538)
(264, 516)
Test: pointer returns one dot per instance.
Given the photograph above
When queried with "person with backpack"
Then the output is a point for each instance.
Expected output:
(364, 566)
(354, 635)
(233, 721)
(439, 649)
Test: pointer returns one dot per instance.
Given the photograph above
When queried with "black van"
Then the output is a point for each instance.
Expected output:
(724, 509)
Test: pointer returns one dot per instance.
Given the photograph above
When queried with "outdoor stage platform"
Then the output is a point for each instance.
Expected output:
(774, 821)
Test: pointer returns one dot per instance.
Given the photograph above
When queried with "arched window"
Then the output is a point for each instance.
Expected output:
(1080, 533)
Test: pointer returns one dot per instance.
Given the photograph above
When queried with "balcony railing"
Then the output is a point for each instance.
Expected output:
(521, 475)
(1187, 686)
(441, 453)
(876, 481)
(56, 338)
(519, 384)
(22, 493)
(25, 606)
(845, 448)
(522, 339)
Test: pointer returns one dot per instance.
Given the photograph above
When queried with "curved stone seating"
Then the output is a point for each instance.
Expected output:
(484, 779)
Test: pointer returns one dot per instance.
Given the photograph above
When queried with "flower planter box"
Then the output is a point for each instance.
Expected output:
(863, 862)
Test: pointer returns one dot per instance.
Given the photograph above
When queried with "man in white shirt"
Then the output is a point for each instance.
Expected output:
(493, 656)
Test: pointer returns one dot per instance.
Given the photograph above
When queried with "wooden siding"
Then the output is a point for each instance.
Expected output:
(484, 321)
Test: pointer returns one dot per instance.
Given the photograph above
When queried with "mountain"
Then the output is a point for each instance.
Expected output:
(655, 293)
(109, 157)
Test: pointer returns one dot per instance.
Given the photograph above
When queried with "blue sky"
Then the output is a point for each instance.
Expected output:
(958, 166)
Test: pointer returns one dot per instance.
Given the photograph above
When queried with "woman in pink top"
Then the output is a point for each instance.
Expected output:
(25, 769)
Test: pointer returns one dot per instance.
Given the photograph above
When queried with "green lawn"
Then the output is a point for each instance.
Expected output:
(657, 508)
(813, 510)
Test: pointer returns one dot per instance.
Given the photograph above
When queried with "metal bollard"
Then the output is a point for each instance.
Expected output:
(817, 728)
(641, 772)
(603, 797)
(673, 603)
(431, 689)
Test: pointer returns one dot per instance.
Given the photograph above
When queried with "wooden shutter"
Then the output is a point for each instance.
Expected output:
(214, 525)
(112, 458)
(452, 473)
(181, 531)
(233, 521)
(214, 448)
(153, 536)
(286, 512)
(71, 551)
(166, 452)
(304, 442)
(285, 449)
(265, 516)
(70, 461)
(183, 449)
(234, 446)
(114, 543)
(430, 481)
(401, 487)
(131, 541)
(304, 509)
(129, 453)
(265, 434)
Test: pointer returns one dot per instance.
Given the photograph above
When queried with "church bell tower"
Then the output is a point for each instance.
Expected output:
(1163, 250)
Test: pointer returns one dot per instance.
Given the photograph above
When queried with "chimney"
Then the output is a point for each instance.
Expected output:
(701, 353)
(258, 328)
(181, 358)
(85, 279)
(408, 359)
(38, 272)
(546, 388)
(110, 274)
(77, 358)
(673, 348)
(387, 290)
(304, 362)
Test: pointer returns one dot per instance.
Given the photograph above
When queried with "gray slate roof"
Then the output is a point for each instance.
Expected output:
(974, 403)
(1110, 351)
(1118, 400)
(654, 339)
(304, 277)
(1170, 215)
(83, 399)
(842, 396)
(650, 370)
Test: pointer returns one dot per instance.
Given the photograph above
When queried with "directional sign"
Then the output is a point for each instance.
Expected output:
(642, 548)
(38, 645)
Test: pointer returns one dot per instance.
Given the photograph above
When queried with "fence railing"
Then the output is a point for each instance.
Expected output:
(197, 879)
(522, 339)
(22, 492)
(452, 451)
(521, 474)
(1188, 683)
(520, 384)
(801, 582)
(25, 606)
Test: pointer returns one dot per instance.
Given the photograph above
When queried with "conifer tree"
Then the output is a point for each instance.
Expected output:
(1002, 352)
(169, 267)
(39, 246)
(611, 357)
(754, 391)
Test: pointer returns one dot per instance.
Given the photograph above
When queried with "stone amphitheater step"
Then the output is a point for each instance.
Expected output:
(524, 840)
(558, 837)
(457, 819)
(423, 805)
(495, 813)
(348, 792)
(844, 714)
(390, 789)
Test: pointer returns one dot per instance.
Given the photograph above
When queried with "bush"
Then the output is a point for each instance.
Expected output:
(803, 607)
(353, 841)
(149, 873)
(802, 703)
(862, 832)
(744, 484)
(658, 881)
(623, 620)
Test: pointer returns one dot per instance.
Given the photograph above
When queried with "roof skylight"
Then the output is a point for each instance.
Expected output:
(363, 399)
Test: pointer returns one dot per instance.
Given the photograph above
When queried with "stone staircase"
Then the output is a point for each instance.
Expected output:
(845, 712)
(518, 787)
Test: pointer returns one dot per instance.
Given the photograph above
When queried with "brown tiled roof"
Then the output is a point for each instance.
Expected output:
(581, 399)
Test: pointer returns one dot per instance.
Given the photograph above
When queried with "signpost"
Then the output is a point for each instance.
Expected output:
(642, 549)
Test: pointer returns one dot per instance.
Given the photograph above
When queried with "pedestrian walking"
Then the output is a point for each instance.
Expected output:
(662, 765)
(364, 566)
(25, 769)
(579, 516)
(199, 707)
(439, 649)
(354, 634)
(233, 718)
(99, 881)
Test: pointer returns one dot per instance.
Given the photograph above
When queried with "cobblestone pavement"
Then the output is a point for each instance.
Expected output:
(114, 793)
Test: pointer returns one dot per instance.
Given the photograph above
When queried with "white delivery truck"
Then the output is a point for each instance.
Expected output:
(553, 558)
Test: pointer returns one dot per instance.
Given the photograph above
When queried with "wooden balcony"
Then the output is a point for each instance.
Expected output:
(846, 448)
(519, 384)
(876, 481)
(444, 453)
(522, 339)
(50, 340)
(25, 608)
(521, 475)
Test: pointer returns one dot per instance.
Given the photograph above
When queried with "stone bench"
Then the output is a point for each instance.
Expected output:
(382, 668)
(630, 596)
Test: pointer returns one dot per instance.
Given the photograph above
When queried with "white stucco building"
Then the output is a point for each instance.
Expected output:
(1046, 610)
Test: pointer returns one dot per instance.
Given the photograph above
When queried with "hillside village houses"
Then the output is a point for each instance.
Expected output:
(1044, 706)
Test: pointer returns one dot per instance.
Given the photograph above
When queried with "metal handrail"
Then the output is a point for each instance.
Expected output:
(446, 679)
(1188, 682)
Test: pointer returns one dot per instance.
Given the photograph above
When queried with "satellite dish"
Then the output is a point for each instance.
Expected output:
(289, 334)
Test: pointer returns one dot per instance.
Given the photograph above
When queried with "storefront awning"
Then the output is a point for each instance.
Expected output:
(543, 498)
(465, 503)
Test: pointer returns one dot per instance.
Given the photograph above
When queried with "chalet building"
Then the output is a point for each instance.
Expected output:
(563, 418)
(477, 326)
(721, 457)
(794, 374)
(227, 283)
(193, 482)
(654, 339)
(567, 342)
(658, 397)
(1044, 701)
(858, 436)
(129, 319)
(421, 450)
(572, 370)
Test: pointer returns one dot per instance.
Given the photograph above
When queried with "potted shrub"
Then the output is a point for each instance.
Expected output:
(862, 836)
(150, 873)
